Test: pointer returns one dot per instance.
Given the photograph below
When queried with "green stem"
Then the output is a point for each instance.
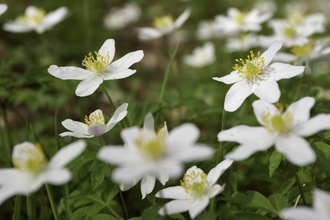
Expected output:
(52, 202)
(111, 103)
(86, 24)
(162, 92)
(10, 141)
(124, 204)
(299, 185)
(30, 210)
(65, 192)
(223, 120)
(17, 208)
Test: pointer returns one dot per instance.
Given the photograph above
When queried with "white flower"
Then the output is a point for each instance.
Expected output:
(162, 26)
(201, 56)
(98, 68)
(205, 30)
(195, 191)
(148, 155)
(320, 209)
(255, 75)
(282, 129)
(94, 124)
(238, 21)
(305, 53)
(242, 42)
(32, 169)
(120, 17)
(3, 8)
(36, 19)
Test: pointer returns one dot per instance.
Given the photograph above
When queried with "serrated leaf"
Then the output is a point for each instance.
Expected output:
(151, 213)
(279, 201)
(250, 216)
(274, 162)
(99, 171)
(261, 202)
(177, 216)
(86, 211)
(103, 217)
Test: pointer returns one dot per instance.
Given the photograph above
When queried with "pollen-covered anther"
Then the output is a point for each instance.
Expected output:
(280, 123)
(195, 182)
(161, 22)
(94, 119)
(240, 18)
(97, 64)
(251, 67)
(303, 50)
(151, 145)
(34, 18)
(289, 31)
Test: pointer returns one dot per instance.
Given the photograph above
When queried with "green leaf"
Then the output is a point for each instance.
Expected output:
(279, 201)
(250, 216)
(100, 171)
(103, 217)
(322, 151)
(261, 202)
(86, 211)
(274, 162)
(177, 216)
(151, 213)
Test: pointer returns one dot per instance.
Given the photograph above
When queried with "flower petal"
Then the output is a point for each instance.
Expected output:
(198, 206)
(88, 86)
(57, 176)
(54, 17)
(127, 186)
(321, 201)
(181, 19)
(296, 149)
(148, 33)
(66, 154)
(176, 206)
(75, 126)
(108, 48)
(262, 107)
(128, 60)
(174, 192)
(215, 190)
(183, 135)
(231, 78)
(236, 95)
(268, 90)
(75, 134)
(149, 122)
(314, 125)
(300, 110)
(126, 174)
(147, 185)
(97, 130)
(116, 155)
(216, 172)
(301, 213)
(13, 26)
(271, 51)
(191, 153)
(114, 73)
(118, 115)
(285, 71)
(69, 72)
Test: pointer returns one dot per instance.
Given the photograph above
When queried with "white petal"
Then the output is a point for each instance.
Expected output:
(69, 72)
(321, 201)
(114, 73)
(285, 57)
(271, 51)
(75, 126)
(176, 206)
(118, 115)
(285, 71)
(302, 213)
(300, 110)
(13, 26)
(66, 154)
(198, 206)
(233, 77)
(7, 192)
(98, 130)
(236, 95)
(147, 185)
(149, 121)
(75, 134)
(314, 125)
(128, 135)
(57, 176)
(174, 192)
(127, 186)
(54, 17)
(148, 33)
(125, 174)
(268, 90)
(116, 155)
(296, 149)
(215, 190)
(88, 86)
(216, 172)
(108, 48)
(163, 178)
(3, 8)
(182, 18)
(262, 107)
(191, 153)
(128, 60)
(185, 135)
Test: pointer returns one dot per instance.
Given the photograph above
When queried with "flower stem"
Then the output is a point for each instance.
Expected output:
(10, 142)
(124, 204)
(111, 103)
(52, 202)
(17, 208)
(167, 74)
(86, 18)
(299, 185)
(29, 204)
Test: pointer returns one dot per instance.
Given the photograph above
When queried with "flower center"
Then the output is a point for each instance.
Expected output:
(302, 51)
(29, 157)
(97, 64)
(33, 17)
(251, 67)
(240, 18)
(195, 182)
(151, 145)
(289, 31)
(280, 123)
(95, 118)
(296, 17)
(163, 22)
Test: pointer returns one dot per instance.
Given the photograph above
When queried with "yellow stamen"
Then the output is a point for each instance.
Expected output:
(162, 22)
(289, 31)
(303, 50)
(280, 123)
(251, 67)
(33, 19)
(240, 18)
(98, 64)
(195, 182)
(95, 118)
